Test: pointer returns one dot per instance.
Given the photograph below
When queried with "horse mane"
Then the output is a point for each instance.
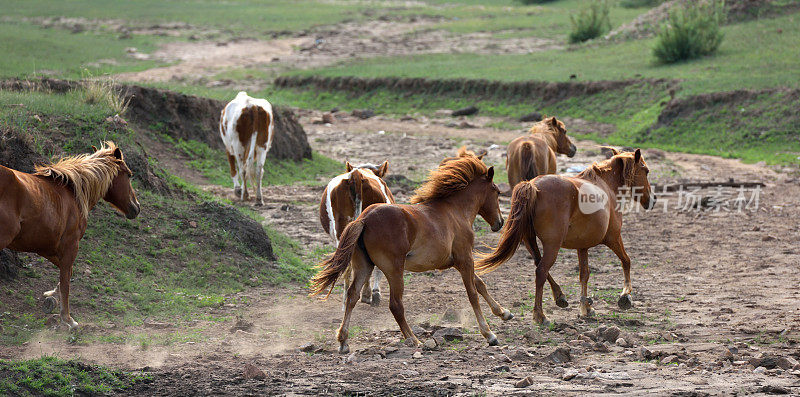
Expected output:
(597, 169)
(543, 127)
(89, 175)
(449, 178)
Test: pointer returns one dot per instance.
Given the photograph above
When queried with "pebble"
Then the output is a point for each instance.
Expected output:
(524, 382)
(759, 370)
(430, 344)
(417, 355)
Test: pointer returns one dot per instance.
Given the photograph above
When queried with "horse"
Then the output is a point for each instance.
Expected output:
(246, 127)
(535, 154)
(46, 212)
(342, 201)
(435, 233)
(576, 213)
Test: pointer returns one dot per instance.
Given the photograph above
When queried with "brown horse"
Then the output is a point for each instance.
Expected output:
(573, 212)
(535, 154)
(436, 233)
(46, 212)
(342, 201)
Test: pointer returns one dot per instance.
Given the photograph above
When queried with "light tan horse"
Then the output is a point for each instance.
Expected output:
(46, 212)
(576, 213)
(535, 154)
(436, 233)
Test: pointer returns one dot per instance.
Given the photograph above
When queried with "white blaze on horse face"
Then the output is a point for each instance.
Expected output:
(591, 198)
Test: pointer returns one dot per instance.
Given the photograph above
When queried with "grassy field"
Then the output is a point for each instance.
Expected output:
(50, 376)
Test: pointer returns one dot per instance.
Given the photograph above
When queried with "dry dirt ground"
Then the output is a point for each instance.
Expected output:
(716, 305)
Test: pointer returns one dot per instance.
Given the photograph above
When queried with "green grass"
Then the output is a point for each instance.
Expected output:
(748, 47)
(30, 51)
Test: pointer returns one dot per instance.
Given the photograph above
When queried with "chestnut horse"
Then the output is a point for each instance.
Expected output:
(535, 154)
(46, 212)
(436, 233)
(342, 201)
(573, 212)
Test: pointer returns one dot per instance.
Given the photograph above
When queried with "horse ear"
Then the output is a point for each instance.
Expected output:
(382, 170)
(349, 166)
(637, 156)
(490, 173)
(553, 122)
(94, 148)
(614, 152)
(480, 156)
(118, 153)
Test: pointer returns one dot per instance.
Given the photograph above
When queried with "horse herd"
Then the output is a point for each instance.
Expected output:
(46, 213)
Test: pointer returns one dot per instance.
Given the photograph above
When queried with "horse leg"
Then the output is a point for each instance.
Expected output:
(558, 295)
(366, 290)
(376, 287)
(65, 272)
(583, 265)
(624, 301)
(360, 269)
(497, 310)
(261, 157)
(395, 278)
(467, 270)
(542, 272)
(346, 278)
(232, 163)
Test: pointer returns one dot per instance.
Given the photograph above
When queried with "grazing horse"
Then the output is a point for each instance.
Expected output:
(246, 126)
(535, 154)
(436, 233)
(46, 212)
(343, 200)
(577, 213)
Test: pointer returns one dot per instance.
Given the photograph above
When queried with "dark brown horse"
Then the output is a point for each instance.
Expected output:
(535, 154)
(45, 212)
(573, 212)
(436, 233)
(343, 200)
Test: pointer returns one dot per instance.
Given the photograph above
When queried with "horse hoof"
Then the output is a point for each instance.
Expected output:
(344, 348)
(562, 302)
(259, 203)
(544, 323)
(625, 302)
(589, 313)
(376, 298)
(493, 340)
(507, 315)
(49, 305)
(366, 299)
(238, 192)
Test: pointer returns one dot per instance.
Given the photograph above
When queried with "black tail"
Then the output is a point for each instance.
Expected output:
(518, 226)
(528, 163)
(333, 267)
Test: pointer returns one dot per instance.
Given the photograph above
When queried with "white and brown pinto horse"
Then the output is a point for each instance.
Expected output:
(46, 212)
(343, 199)
(246, 126)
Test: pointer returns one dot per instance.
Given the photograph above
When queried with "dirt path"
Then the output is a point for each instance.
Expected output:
(715, 297)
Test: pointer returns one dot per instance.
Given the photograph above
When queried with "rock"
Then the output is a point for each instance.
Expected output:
(448, 334)
(501, 368)
(764, 360)
(533, 116)
(600, 347)
(669, 359)
(621, 342)
(569, 374)
(327, 118)
(418, 331)
(524, 382)
(417, 355)
(363, 114)
(253, 372)
(430, 344)
(774, 389)
(467, 111)
(645, 353)
(610, 334)
(759, 370)
(351, 359)
(504, 358)
(307, 348)
(787, 362)
(559, 356)
(520, 355)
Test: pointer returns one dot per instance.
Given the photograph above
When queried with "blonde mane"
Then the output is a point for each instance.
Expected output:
(89, 175)
(597, 169)
(449, 178)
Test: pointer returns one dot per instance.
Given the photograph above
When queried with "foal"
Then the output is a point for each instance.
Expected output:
(535, 154)
(46, 212)
(436, 233)
(342, 201)
(573, 212)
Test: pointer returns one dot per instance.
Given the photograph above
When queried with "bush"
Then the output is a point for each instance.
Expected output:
(691, 32)
(529, 2)
(640, 3)
(591, 22)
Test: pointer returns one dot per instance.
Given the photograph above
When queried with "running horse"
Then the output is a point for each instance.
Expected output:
(343, 200)
(46, 212)
(577, 213)
(535, 154)
(436, 233)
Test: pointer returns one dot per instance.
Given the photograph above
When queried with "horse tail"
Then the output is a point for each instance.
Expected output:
(356, 189)
(528, 162)
(333, 267)
(518, 226)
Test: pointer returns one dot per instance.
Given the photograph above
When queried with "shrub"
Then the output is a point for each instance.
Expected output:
(529, 2)
(104, 92)
(639, 3)
(591, 22)
(691, 32)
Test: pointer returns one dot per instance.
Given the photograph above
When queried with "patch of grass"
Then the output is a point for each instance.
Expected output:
(591, 22)
(30, 50)
(51, 376)
(690, 32)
